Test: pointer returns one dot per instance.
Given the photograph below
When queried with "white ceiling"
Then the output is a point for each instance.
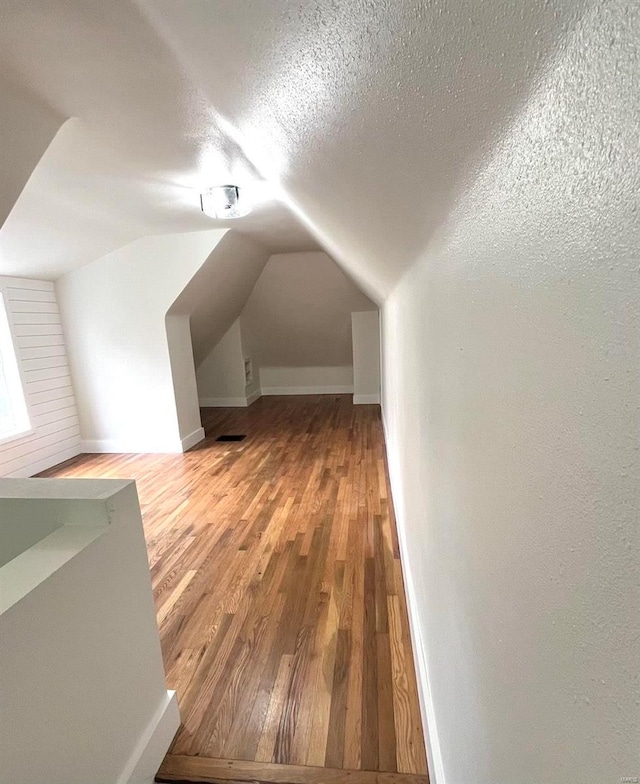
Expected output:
(141, 143)
(371, 117)
(84, 200)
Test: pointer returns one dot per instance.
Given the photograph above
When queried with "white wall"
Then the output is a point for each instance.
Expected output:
(15, 539)
(511, 367)
(323, 380)
(295, 327)
(183, 375)
(114, 319)
(299, 317)
(41, 353)
(220, 377)
(213, 299)
(253, 389)
(82, 693)
(365, 334)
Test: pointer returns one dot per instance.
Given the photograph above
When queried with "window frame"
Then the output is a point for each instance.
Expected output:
(25, 427)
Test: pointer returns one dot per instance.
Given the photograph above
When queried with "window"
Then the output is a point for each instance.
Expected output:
(14, 417)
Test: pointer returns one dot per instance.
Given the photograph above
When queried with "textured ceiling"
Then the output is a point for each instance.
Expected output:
(371, 118)
(141, 143)
(373, 115)
(83, 201)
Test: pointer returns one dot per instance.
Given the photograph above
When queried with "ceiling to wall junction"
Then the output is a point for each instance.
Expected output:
(27, 125)
(372, 117)
(299, 312)
(140, 144)
(216, 294)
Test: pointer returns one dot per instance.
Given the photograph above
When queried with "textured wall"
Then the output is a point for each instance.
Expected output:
(512, 361)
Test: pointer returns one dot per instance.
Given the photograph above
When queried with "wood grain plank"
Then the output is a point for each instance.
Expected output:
(387, 760)
(336, 739)
(279, 693)
(409, 749)
(369, 672)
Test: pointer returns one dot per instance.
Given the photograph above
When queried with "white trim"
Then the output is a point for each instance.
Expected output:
(254, 396)
(342, 389)
(153, 744)
(223, 402)
(122, 446)
(192, 439)
(364, 399)
(425, 698)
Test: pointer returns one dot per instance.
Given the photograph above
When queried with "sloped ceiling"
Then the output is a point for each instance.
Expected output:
(27, 126)
(372, 117)
(215, 295)
(141, 143)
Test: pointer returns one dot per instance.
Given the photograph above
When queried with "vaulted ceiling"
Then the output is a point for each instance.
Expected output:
(368, 119)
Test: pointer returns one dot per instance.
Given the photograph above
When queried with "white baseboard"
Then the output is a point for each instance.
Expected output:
(425, 698)
(254, 396)
(329, 390)
(223, 402)
(122, 446)
(243, 402)
(365, 399)
(154, 743)
(192, 439)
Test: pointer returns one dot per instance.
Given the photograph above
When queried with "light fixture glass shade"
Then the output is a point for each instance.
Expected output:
(225, 201)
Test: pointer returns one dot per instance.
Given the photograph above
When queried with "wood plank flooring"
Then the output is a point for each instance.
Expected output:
(279, 592)
(203, 769)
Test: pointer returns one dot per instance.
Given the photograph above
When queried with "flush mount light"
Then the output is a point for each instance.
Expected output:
(224, 202)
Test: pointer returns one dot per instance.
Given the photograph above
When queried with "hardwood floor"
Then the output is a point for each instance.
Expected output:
(279, 593)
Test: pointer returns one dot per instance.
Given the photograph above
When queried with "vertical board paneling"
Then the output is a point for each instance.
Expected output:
(55, 434)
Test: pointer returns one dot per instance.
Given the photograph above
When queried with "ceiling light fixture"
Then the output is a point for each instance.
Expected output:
(224, 202)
